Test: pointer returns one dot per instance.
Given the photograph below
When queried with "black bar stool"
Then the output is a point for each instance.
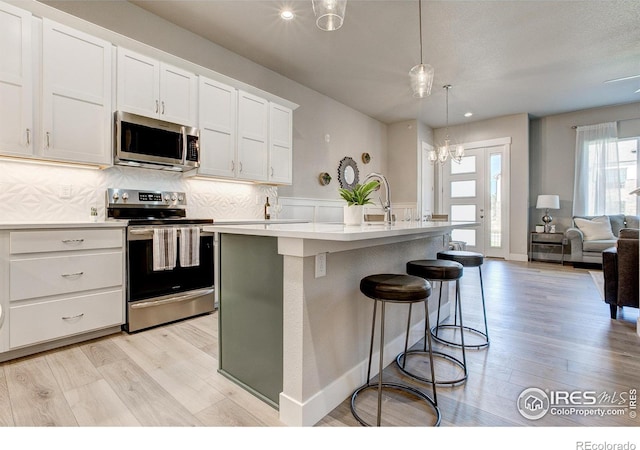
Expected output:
(392, 288)
(442, 271)
(467, 259)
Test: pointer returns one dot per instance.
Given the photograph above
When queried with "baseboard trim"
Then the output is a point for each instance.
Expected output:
(26, 351)
(311, 411)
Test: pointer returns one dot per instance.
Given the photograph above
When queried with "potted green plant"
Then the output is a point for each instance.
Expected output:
(356, 198)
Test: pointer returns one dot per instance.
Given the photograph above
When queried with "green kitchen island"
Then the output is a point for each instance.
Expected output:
(294, 328)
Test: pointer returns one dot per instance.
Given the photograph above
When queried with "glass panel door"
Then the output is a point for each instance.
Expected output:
(475, 191)
(464, 199)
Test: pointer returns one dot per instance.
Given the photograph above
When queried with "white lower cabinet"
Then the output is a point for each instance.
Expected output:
(60, 283)
(47, 320)
(39, 277)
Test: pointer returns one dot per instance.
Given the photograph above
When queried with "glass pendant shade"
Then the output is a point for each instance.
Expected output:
(446, 151)
(329, 13)
(421, 79)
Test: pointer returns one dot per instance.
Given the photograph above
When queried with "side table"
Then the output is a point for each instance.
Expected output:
(547, 240)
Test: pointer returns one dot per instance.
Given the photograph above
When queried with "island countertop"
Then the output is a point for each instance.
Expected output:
(289, 303)
(339, 231)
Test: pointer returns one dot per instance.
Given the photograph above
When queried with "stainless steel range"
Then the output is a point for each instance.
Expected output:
(169, 257)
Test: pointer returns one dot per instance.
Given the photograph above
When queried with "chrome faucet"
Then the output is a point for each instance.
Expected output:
(386, 205)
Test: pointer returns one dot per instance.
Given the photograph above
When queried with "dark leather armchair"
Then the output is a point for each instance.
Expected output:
(620, 267)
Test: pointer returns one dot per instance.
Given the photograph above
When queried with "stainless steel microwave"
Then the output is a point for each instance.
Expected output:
(155, 144)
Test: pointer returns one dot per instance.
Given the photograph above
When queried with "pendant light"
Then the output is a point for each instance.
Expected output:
(421, 76)
(456, 152)
(329, 13)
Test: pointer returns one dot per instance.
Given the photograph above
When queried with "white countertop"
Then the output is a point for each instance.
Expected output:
(256, 221)
(40, 225)
(338, 231)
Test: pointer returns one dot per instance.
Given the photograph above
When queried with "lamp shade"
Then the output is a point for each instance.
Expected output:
(548, 202)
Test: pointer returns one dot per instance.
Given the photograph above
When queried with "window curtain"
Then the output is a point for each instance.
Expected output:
(596, 188)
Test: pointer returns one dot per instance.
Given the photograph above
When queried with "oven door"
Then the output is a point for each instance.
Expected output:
(156, 297)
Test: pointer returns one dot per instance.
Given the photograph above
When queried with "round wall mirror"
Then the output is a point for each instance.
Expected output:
(348, 174)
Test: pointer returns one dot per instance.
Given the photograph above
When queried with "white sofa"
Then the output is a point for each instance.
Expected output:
(590, 251)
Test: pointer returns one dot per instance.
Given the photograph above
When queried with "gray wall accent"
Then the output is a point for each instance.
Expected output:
(552, 156)
(403, 151)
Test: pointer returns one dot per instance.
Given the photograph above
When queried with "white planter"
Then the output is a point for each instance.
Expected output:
(353, 215)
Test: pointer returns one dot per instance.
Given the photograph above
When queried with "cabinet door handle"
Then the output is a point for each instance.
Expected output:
(73, 241)
(69, 275)
(28, 136)
(157, 106)
(272, 171)
(48, 136)
(233, 166)
(73, 317)
(240, 166)
(163, 107)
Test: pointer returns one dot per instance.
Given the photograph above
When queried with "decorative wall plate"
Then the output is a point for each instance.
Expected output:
(324, 178)
(348, 174)
(366, 158)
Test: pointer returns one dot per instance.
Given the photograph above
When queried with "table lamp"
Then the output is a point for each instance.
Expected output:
(547, 202)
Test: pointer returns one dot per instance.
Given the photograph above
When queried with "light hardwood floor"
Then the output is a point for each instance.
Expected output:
(548, 328)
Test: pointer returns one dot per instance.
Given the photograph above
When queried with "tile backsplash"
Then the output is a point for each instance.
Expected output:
(36, 192)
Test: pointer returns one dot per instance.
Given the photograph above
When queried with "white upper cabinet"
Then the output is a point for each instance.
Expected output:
(151, 88)
(217, 116)
(253, 133)
(76, 95)
(16, 90)
(280, 144)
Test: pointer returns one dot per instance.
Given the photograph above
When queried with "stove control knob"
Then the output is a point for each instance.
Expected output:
(115, 196)
(180, 198)
(174, 198)
(166, 198)
(125, 196)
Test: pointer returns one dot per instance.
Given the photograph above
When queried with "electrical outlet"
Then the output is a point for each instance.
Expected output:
(321, 265)
(65, 191)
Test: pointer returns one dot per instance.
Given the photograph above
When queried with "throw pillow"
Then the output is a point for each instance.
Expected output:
(596, 229)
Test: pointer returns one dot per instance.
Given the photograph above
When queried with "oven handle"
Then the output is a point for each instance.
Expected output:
(143, 231)
(176, 299)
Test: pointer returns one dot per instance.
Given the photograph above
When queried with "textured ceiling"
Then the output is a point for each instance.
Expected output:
(501, 57)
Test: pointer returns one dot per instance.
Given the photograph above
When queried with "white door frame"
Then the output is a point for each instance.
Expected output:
(427, 181)
(506, 165)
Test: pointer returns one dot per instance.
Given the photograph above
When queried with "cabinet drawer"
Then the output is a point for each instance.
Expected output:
(64, 240)
(547, 238)
(30, 324)
(39, 277)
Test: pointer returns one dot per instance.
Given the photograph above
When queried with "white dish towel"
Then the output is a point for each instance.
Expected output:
(165, 248)
(190, 246)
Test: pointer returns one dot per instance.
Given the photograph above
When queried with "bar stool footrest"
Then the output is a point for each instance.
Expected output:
(441, 340)
(442, 355)
(402, 387)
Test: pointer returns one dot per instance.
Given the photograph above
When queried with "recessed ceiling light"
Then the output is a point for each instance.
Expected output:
(468, 114)
(286, 14)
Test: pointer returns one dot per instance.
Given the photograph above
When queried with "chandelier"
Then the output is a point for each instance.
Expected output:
(329, 13)
(456, 152)
(421, 75)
